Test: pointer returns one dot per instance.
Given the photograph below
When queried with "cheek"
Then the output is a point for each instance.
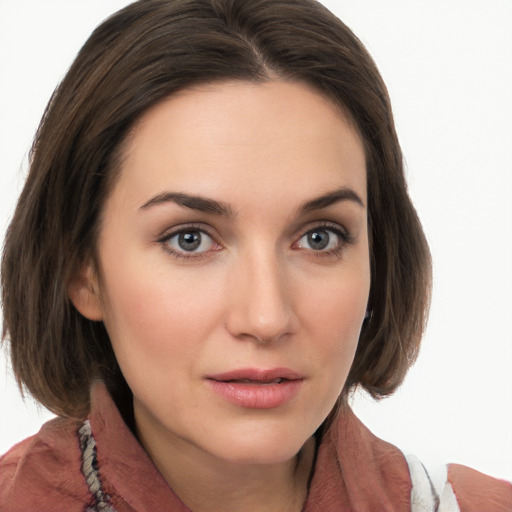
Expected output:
(154, 319)
(333, 315)
(339, 303)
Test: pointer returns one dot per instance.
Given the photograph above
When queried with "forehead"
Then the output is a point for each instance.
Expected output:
(241, 137)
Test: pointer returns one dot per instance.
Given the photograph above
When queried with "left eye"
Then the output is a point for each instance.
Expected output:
(321, 239)
(191, 241)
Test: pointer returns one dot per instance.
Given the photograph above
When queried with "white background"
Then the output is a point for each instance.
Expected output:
(448, 66)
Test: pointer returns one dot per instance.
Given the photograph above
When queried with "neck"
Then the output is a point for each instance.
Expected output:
(206, 484)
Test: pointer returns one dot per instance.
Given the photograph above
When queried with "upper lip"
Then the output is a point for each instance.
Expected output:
(257, 375)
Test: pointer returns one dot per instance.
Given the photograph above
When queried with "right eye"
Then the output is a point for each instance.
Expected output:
(189, 242)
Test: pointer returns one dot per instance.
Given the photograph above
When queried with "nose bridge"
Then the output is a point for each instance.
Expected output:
(261, 305)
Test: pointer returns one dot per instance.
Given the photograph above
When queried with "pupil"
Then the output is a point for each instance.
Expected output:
(189, 241)
(318, 240)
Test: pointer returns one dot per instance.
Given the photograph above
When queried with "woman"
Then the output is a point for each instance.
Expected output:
(213, 247)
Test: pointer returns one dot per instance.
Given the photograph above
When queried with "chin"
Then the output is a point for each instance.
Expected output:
(260, 446)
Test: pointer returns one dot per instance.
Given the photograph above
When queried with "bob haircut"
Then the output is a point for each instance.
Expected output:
(136, 58)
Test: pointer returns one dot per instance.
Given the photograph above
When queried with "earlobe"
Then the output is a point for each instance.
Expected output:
(83, 291)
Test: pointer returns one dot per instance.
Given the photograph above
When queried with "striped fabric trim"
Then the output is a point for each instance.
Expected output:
(430, 494)
(90, 470)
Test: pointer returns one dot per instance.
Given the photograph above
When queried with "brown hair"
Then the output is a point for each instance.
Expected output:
(140, 55)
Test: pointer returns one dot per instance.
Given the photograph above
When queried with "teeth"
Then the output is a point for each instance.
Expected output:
(249, 381)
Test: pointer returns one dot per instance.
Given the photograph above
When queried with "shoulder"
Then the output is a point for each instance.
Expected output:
(475, 491)
(456, 488)
(43, 472)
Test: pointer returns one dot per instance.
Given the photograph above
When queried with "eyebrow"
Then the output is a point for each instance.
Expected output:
(326, 200)
(199, 203)
(211, 206)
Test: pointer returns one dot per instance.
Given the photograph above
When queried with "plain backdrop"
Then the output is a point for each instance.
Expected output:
(448, 66)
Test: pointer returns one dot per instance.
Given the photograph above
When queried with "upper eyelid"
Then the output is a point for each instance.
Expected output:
(170, 232)
(325, 224)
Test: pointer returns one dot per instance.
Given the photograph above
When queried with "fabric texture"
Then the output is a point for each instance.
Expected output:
(429, 494)
(98, 465)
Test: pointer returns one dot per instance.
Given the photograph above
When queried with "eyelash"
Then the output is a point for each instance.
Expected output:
(345, 238)
(190, 228)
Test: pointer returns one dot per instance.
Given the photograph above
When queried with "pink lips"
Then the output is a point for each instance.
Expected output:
(256, 388)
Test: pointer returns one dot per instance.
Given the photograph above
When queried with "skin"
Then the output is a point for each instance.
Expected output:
(256, 293)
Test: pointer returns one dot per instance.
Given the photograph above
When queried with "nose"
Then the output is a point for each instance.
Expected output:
(260, 305)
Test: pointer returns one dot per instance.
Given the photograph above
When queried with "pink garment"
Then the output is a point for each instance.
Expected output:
(354, 471)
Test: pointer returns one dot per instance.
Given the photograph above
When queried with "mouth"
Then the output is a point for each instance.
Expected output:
(257, 389)
(256, 382)
(258, 376)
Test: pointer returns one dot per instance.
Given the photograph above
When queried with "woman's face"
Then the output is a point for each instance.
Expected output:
(234, 265)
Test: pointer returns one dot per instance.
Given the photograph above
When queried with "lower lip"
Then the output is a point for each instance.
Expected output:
(257, 396)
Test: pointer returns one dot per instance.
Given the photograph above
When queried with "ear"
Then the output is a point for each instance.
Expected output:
(83, 291)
